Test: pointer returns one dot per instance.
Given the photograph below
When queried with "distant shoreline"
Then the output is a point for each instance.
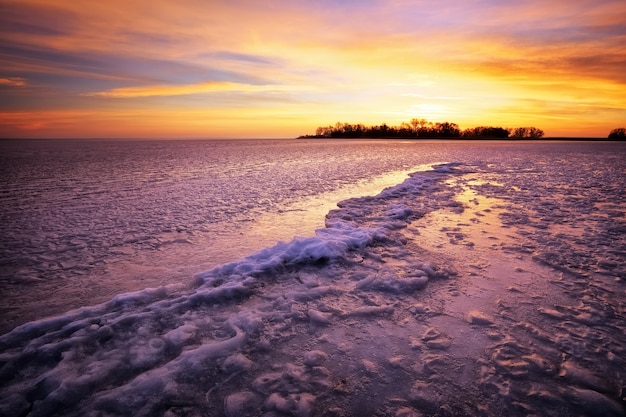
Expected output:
(543, 139)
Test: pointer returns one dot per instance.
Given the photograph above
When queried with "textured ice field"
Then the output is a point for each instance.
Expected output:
(492, 287)
(82, 221)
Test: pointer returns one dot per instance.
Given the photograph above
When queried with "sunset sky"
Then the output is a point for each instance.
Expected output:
(243, 68)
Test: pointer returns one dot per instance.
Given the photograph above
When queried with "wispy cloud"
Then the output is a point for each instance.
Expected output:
(426, 97)
(13, 81)
(190, 89)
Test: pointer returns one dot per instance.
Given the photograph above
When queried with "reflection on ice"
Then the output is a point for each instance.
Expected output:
(304, 216)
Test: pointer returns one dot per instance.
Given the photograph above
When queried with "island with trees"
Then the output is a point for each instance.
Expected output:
(423, 129)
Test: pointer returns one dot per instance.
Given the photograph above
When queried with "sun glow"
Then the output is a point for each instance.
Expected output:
(177, 68)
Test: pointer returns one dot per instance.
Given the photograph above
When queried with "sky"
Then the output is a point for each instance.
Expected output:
(274, 69)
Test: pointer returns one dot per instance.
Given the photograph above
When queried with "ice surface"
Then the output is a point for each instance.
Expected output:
(449, 294)
(82, 221)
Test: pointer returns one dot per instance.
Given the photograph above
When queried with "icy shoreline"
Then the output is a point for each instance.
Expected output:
(440, 296)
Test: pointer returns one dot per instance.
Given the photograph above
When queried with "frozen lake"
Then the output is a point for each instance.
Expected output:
(84, 220)
(489, 282)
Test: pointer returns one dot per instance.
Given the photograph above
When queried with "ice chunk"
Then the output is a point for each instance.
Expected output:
(594, 403)
(299, 405)
(393, 284)
(314, 358)
(478, 317)
(241, 404)
(317, 317)
(237, 363)
(580, 376)
(328, 244)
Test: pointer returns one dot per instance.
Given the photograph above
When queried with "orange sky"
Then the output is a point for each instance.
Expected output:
(242, 68)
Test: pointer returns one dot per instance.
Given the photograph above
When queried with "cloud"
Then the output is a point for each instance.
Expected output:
(425, 97)
(241, 57)
(603, 66)
(72, 71)
(13, 81)
(26, 19)
(192, 89)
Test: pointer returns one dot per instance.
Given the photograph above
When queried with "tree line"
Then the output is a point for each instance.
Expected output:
(618, 134)
(421, 128)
